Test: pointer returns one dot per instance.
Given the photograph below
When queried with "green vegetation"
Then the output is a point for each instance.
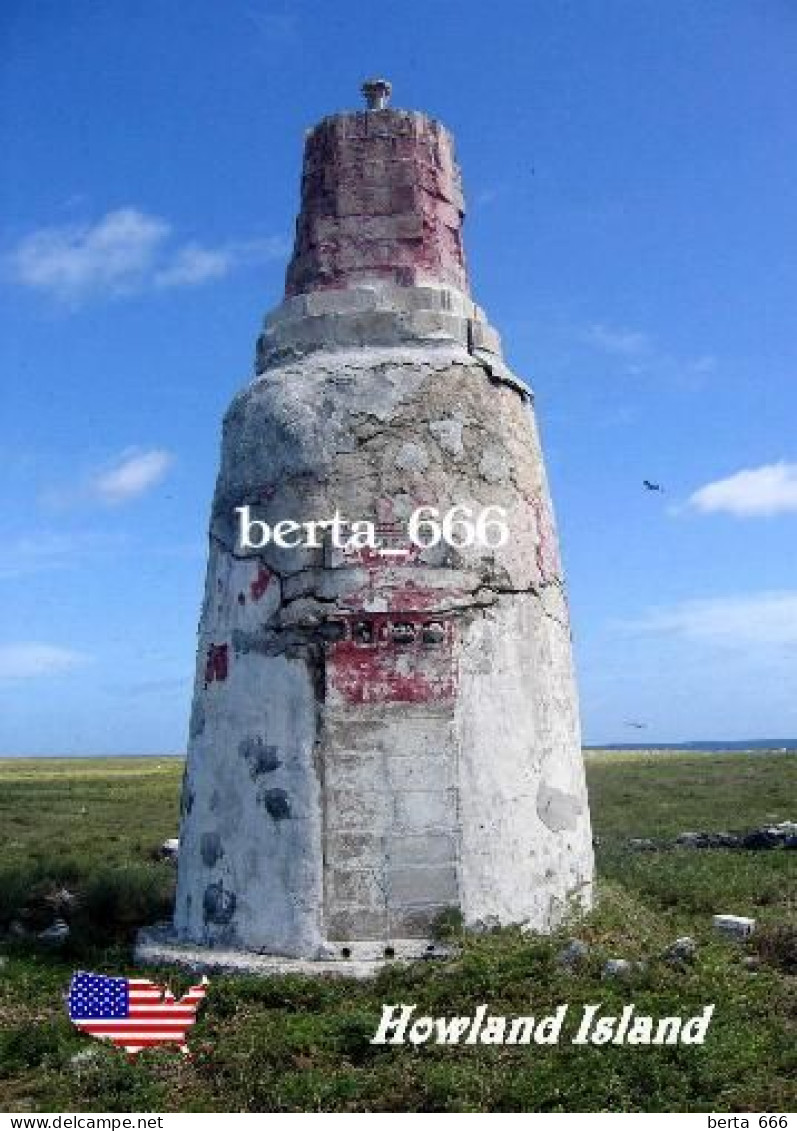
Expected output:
(92, 826)
(296, 1044)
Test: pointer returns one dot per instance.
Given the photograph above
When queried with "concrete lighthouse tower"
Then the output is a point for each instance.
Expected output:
(384, 727)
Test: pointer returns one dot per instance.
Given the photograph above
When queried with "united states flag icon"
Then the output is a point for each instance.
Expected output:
(133, 1013)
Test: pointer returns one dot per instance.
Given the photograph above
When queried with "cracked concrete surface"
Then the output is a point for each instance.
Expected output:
(406, 778)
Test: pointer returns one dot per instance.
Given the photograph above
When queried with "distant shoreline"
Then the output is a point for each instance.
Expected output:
(750, 746)
(742, 746)
(67, 757)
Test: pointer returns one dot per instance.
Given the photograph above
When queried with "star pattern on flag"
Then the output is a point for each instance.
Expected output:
(93, 995)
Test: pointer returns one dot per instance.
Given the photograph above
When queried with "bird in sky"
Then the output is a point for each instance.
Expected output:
(650, 486)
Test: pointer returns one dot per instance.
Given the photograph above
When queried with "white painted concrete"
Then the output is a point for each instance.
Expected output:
(339, 792)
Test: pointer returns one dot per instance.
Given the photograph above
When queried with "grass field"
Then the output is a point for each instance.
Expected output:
(302, 1044)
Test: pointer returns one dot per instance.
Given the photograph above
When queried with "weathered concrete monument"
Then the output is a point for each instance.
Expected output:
(382, 730)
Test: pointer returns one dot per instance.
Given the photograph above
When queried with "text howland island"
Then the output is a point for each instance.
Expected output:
(401, 1024)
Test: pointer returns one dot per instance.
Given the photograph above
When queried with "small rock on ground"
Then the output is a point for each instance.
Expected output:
(56, 934)
(84, 1057)
(574, 954)
(170, 848)
(683, 949)
(734, 927)
(617, 968)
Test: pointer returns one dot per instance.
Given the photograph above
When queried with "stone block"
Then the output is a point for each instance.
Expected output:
(419, 298)
(287, 311)
(483, 336)
(433, 325)
(424, 850)
(428, 773)
(414, 922)
(311, 332)
(354, 923)
(355, 849)
(362, 888)
(401, 226)
(421, 811)
(354, 809)
(414, 886)
(375, 326)
(373, 200)
(363, 770)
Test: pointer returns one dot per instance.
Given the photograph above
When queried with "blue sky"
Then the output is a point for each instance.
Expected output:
(630, 170)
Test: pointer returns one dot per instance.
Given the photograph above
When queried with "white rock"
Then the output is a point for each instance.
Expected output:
(170, 848)
(785, 828)
(85, 1056)
(56, 934)
(682, 950)
(733, 926)
(617, 968)
(412, 457)
(494, 466)
(574, 954)
(448, 433)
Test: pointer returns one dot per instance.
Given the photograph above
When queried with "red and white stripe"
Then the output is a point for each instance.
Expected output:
(154, 1018)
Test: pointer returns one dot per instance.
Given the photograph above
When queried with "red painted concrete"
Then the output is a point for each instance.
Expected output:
(381, 198)
(547, 549)
(260, 584)
(217, 664)
(377, 663)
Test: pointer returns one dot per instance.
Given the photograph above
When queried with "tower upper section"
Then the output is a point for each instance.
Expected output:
(381, 200)
(378, 259)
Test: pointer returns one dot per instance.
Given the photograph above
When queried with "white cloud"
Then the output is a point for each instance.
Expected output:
(124, 252)
(115, 254)
(130, 474)
(752, 493)
(637, 354)
(487, 195)
(701, 366)
(193, 264)
(41, 551)
(29, 660)
(274, 28)
(618, 340)
(133, 475)
(766, 619)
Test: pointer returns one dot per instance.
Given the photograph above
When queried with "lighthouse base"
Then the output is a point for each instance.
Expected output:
(159, 946)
